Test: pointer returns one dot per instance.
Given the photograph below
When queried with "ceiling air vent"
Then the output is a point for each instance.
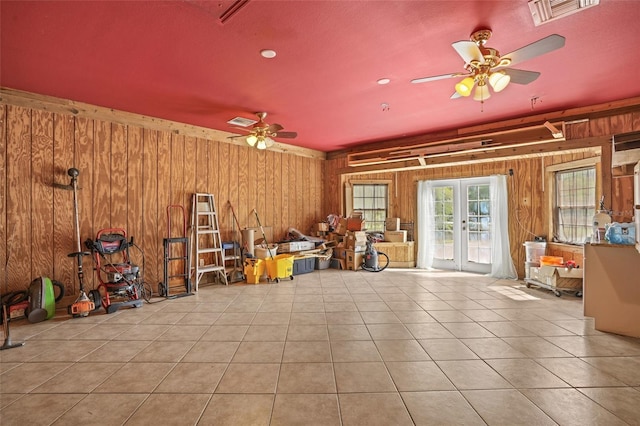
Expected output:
(544, 11)
(242, 122)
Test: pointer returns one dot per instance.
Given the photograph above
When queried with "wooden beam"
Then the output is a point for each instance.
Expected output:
(79, 109)
(550, 147)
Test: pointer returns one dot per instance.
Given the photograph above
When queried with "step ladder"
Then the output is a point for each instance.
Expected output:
(177, 259)
(209, 254)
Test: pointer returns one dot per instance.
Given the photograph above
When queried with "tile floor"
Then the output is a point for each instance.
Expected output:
(399, 347)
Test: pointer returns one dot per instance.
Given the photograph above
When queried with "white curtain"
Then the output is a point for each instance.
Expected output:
(502, 264)
(426, 225)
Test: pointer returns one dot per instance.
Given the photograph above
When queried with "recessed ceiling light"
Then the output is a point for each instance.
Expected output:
(268, 53)
(384, 81)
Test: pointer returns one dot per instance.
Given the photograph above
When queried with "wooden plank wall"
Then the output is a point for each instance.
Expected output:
(128, 177)
(527, 203)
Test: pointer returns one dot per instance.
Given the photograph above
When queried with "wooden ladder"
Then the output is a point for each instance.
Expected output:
(209, 254)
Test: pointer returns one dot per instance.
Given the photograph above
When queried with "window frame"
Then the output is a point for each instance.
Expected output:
(550, 180)
(349, 199)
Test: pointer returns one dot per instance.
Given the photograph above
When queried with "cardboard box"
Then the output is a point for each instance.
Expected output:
(293, 246)
(341, 229)
(392, 224)
(320, 227)
(355, 239)
(355, 224)
(395, 236)
(557, 277)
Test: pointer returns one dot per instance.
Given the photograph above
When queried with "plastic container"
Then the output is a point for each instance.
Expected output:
(534, 250)
(528, 266)
(280, 266)
(303, 265)
(263, 252)
(621, 233)
(253, 270)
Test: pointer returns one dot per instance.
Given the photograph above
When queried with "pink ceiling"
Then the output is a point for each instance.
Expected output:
(176, 60)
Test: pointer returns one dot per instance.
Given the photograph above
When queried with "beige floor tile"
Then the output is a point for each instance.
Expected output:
(330, 298)
(38, 409)
(235, 318)
(362, 377)
(105, 409)
(192, 378)
(308, 318)
(241, 307)
(581, 346)
(308, 307)
(450, 316)
(625, 369)
(266, 333)
(372, 307)
(184, 332)
(389, 331)
(621, 345)
(116, 351)
(434, 305)
(200, 318)
(536, 347)
(440, 408)
(623, 402)
(348, 332)
(276, 307)
(578, 373)
(372, 409)
(447, 349)
(370, 296)
(163, 318)
(307, 332)
(249, 378)
(68, 351)
(309, 409)
(414, 317)
(163, 352)
(570, 407)
(483, 315)
(271, 318)
(401, 350)
(340, 307)
(306, 378)
(412, 376)
(370, 317)
(467, 330)
(26, 377)
(491, 348)
(506, 329)
(206, 351)
(526, 373)
(79, 378)
(345, 318)
(307, 352)
(259, 352)
(136, 378)
(404, 306)
(308, 298)
(490, 404)
(230, 333)
(103, 332)
(472, 374)
(62, 331)
(146, 332)
(173, 409)
(431, 330)
(354, 351)
(544, 328)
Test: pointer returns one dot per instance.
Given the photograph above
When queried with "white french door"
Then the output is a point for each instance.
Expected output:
(462, 225)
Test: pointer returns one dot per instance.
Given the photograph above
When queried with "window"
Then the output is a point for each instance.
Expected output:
(371, 200)
(574, 206)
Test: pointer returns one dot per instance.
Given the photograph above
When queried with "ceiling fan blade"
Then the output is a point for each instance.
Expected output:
(274, 128)
(537, 48)
(521, 76)
(438, 77)
(469, 51)
(290, 135)
(455, 95)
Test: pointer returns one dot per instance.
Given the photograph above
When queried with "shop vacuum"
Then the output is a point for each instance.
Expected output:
(370, 259)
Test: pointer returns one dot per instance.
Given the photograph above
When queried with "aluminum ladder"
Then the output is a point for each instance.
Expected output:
(209, 254)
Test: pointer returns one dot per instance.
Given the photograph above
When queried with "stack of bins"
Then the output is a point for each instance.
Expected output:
(534, 250)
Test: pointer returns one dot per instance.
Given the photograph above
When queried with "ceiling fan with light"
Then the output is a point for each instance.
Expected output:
(485, 67)
(261, 134)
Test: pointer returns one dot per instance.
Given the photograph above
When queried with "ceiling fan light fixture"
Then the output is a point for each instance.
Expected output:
(464, 87)
(262, 143)
(499, 80)
(482, 93)
(251, 140)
